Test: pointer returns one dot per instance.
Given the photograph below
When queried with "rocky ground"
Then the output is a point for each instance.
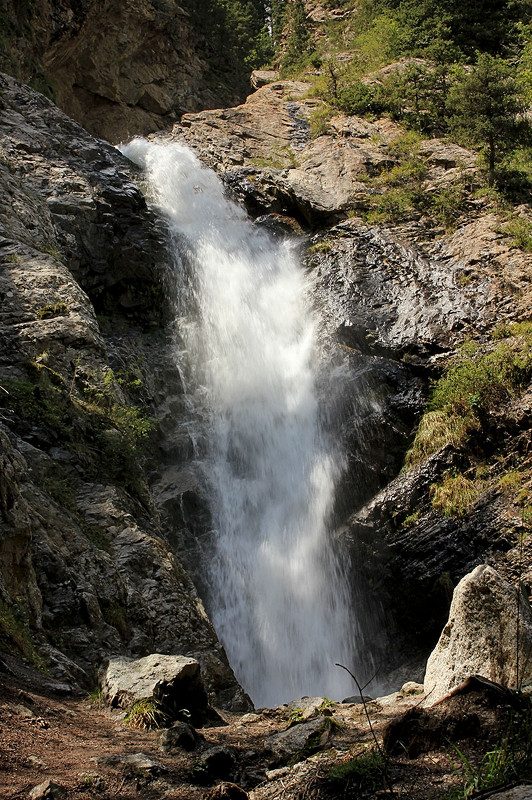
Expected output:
(310, 749)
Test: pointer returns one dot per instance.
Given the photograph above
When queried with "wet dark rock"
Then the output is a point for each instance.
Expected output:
(384, 297)
(219, 761)
(412, 556)
(178, 736)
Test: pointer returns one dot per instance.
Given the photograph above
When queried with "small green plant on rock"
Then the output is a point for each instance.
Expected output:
(57, 309)
(320, 247)
(54, 252)
(146, 713)
(295, 715)
(455, 495)
(363, 773)
(411, 519)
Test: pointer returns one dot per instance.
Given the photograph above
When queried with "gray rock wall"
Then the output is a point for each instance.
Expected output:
(86, 567)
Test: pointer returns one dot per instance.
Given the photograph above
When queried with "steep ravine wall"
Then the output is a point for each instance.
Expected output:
(87, 569)
(396, 300)
(100, 507)
(123, 69)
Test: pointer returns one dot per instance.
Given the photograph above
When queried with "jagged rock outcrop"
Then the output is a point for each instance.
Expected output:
(489, 633)
(86, 562)
(122, 70)
(266, 155)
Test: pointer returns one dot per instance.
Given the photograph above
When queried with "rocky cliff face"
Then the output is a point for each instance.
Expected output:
(89, 555)
(86, 564)
(122, 70)
(396, 299)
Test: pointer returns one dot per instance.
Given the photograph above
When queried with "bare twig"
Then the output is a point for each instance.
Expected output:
(372, 729)
(4, 390)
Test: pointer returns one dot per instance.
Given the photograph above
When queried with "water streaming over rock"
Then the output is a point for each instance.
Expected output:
(279, 598)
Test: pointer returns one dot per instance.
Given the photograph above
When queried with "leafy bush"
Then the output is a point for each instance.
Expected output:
(519, 231)
(392, 206)
(478, 380)
(355, 98)
(447, 205)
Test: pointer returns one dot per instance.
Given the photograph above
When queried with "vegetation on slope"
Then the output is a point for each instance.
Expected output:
(459, 71)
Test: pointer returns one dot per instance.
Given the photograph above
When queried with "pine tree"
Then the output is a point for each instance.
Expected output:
(299, 34)
(486, 110)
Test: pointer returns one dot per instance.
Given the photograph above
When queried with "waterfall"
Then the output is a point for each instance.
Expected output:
(279, 597)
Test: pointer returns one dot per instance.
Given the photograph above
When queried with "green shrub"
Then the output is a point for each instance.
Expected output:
(319, 119)
(437, 429)
(392, 206)
(519, 231)
(475, 383)
(447, 205)
(355, 98)
(478, 380)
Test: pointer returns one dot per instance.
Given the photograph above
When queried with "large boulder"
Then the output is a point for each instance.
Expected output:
(173, 682)
(489, 633)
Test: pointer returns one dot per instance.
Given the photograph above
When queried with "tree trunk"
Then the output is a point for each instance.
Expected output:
(491, 176)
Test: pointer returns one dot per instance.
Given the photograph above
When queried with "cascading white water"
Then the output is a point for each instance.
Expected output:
(279, 597)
